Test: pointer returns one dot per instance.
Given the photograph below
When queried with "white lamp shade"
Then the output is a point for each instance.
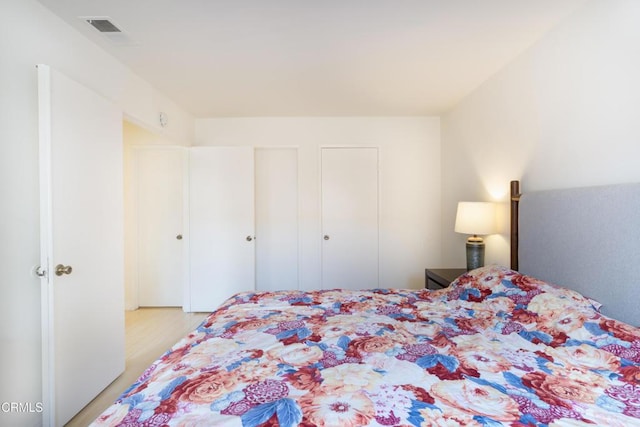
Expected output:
(476, 218)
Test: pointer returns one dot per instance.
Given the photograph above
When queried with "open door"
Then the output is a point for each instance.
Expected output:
(81, 199)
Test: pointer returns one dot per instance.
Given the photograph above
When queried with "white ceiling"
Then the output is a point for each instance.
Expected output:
(323, 58)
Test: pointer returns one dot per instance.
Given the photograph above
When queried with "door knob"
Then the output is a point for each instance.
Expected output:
(179, 237)
(326, 237)
(62, 269)
(249, 238)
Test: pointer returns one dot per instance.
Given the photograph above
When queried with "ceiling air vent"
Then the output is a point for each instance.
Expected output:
(109, 30)
(103, 25)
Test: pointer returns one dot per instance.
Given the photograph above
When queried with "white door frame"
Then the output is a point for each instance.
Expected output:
(46, 243)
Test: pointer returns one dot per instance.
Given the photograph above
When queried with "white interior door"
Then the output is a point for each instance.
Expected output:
(221, 223)
(81, 175)
(159, 204)
(349, 218)
(276, 198)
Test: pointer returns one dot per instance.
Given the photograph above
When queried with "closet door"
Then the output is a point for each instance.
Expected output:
(221, 222)
(349, 218)
(159, 183)
(276, 218)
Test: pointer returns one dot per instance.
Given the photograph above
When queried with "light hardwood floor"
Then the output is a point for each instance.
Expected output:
(149, 333)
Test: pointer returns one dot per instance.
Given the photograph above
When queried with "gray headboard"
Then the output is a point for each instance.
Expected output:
(586, 239)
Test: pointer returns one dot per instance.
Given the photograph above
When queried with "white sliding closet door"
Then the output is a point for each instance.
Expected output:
(221, 222)
(159, 181)
(82, 244)
(349, 218)
(276, 218)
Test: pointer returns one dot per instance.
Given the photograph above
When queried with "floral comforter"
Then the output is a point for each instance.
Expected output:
(495, 348)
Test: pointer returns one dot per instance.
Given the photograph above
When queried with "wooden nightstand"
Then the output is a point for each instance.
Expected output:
(438, 278)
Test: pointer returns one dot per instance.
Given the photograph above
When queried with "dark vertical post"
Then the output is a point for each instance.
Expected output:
(515, 200)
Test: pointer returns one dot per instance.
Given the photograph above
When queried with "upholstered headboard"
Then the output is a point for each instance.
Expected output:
(586, 239)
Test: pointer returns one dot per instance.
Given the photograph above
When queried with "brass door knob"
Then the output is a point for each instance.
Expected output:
(63, 269)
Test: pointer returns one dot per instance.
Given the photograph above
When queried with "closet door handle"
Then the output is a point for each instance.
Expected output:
(326, 237)
(249, 238)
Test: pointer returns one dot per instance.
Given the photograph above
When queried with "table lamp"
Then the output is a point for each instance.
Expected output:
(475, 218)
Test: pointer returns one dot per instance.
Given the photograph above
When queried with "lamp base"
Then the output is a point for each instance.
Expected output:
(475, 253)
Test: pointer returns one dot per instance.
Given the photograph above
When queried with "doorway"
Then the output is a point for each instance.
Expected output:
(155, 235)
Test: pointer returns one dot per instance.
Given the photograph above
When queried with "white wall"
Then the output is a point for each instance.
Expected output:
(30, 34)
(563, 114)
(409, 183)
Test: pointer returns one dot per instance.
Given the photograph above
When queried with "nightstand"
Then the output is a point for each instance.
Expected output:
(438, 278)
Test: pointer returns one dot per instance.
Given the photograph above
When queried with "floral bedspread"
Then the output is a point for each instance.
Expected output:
(495, 348)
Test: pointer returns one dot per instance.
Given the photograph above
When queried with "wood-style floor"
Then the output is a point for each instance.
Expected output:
(149, 333)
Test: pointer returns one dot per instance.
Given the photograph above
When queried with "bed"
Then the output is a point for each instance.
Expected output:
(497, 347)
